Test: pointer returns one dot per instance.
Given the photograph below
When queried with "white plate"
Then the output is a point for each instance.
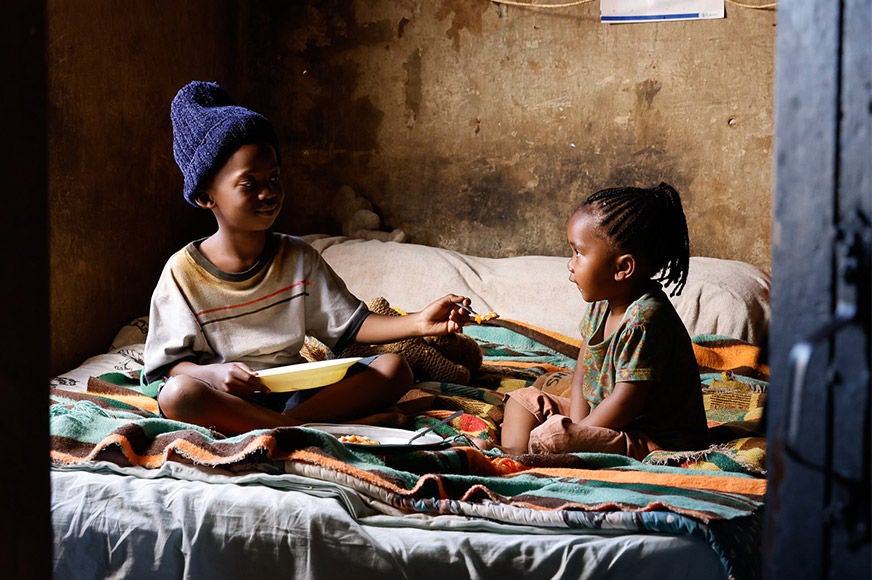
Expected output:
(387, 437)
(305, 375)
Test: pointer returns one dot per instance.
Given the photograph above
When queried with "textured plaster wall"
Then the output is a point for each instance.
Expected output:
(470, 125)
(479, 127)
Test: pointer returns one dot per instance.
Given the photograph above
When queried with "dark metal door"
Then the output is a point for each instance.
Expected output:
(818, 509)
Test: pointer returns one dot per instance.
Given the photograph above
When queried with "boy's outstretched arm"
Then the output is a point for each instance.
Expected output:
(440, 317)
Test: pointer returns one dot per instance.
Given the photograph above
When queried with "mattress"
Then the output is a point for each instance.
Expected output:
(181, 521)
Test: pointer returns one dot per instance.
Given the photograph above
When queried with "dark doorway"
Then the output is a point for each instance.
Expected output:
(818, 518)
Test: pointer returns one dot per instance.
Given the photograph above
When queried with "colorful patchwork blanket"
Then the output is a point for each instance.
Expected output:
(716, 494)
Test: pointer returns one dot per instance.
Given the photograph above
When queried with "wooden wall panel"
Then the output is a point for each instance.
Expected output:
(116, 208)
(818, 520)
(25, 529)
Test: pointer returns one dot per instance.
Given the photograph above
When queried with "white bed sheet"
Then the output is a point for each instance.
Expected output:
(182, 521)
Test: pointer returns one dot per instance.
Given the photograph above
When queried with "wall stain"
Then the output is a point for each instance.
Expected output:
(491, 199)
(401, 26)
(645, 93)
(322, 109)
(647, 123)
(412, 66)
(465, 15)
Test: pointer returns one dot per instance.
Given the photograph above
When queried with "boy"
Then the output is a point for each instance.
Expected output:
(244, 298)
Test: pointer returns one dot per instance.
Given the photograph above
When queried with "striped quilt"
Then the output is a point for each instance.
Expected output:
(716, 494)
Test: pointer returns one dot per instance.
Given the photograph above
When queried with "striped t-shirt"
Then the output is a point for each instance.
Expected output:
(260, 317)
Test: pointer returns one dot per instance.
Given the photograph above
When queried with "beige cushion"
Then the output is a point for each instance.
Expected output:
(723, 297)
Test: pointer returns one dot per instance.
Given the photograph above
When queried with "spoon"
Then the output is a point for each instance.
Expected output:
(478, 317)
(467, 308)
(453, 415)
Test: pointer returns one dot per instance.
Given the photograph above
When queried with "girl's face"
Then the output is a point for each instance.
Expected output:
(593, 263)
(246, 193)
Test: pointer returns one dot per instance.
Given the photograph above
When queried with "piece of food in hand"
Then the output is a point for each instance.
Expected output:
(479, 318)
(358, 440)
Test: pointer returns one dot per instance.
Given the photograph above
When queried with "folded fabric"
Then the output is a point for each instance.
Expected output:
(715, 354)
(87, 428)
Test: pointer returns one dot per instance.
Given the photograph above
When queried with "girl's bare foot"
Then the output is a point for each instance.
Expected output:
(484, 444)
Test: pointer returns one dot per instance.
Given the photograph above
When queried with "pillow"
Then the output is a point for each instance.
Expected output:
(134, 332)
(726, 298)
(123, 359)
(722, 297)
(125, 355)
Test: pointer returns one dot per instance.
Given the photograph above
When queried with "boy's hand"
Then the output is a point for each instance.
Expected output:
(444, 316)
(235, 377)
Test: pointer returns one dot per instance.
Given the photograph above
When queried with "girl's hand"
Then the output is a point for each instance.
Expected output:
(622, 406)
(579, 408)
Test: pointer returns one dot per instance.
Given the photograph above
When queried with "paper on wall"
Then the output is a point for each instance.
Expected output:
(618, 11)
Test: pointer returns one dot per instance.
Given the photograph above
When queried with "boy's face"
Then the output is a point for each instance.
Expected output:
(246, 193)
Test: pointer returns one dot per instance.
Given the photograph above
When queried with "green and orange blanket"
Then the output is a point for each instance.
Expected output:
(716, 494)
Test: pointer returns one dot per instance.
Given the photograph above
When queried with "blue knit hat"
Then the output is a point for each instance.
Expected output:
(208, 127)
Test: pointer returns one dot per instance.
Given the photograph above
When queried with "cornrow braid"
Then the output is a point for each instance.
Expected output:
(648, 223)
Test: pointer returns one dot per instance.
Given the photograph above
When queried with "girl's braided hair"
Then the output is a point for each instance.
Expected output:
(648, 223)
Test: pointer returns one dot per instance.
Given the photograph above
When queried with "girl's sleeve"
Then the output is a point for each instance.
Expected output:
(637, 354)
(173, 332)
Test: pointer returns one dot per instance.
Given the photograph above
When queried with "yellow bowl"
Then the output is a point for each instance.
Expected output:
(305, 375)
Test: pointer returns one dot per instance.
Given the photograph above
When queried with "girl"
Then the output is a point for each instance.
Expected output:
(636, 386)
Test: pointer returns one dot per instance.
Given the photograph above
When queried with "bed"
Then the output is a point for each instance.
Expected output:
(134, 495)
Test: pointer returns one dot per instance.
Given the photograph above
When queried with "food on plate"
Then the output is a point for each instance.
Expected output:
(358, 440)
